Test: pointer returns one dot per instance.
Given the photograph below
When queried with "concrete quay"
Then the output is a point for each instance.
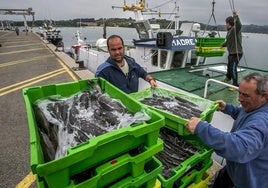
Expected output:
(25, 61)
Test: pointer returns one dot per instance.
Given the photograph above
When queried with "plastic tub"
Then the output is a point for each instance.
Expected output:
(94, 152)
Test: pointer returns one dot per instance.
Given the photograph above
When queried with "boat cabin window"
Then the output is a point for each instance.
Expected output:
(142, 29)
(193, 57)
(177, 59)
(154, 57)
(163, 58)
(159, 58)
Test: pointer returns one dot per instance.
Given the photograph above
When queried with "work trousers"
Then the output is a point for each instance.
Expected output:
(233, 61)
(223, 180)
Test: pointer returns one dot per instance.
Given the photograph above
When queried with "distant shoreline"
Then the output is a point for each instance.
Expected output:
(123, 22)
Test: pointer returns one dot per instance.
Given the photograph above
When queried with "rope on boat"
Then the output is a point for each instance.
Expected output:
(210, 46)
(214, 18)
(232, 6)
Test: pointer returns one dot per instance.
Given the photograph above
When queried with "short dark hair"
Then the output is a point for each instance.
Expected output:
(230, 20)
(112, 37)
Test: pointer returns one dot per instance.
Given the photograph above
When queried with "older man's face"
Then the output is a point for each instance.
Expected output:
(248, 97)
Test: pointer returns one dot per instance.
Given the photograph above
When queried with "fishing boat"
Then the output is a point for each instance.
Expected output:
(50, 33)
(153, 49)
(177, 56)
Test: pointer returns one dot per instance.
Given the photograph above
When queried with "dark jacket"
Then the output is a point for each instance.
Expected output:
(233, 40)
(129, 83)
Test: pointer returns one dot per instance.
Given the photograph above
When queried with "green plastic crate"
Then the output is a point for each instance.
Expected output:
(185, 179)
(140, 168)
(203, 183)
(145, 180)
(118, 168)
(209, 47)
(210, 51)
(192, 169)
(175, 122)
(95, 151)
(195, 178)
(209, 42)
(210, 54)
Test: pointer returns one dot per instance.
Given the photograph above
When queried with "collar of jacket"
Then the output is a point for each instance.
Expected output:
(129, 60)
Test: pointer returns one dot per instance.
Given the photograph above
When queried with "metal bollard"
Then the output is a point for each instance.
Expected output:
(80, 63)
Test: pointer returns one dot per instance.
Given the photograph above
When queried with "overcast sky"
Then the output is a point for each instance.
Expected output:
(250, 11)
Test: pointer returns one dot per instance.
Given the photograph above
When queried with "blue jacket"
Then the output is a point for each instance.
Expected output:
(112, 73)
(245, 147)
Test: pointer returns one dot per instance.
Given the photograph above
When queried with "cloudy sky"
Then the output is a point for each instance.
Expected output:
(250, 11)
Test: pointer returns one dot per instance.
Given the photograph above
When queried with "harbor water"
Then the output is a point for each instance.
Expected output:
(254, 45)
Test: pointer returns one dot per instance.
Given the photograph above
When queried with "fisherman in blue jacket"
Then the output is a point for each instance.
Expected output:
(121, 70)
(245, 148)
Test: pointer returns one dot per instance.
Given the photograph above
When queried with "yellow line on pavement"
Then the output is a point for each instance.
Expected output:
(2, 36)
(24, 60)
(21, 51)
(27, 181)
(30, 178)
(21, 45)
(31, 79)
(67, 69)
(62, 63)
(30, 82)
(16, 41)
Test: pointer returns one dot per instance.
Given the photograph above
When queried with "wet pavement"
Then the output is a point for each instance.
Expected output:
(25, 61)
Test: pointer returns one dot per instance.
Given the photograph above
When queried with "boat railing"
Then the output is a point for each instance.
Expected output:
(219, 82)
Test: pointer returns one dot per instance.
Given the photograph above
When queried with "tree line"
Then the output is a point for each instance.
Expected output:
(128, 22)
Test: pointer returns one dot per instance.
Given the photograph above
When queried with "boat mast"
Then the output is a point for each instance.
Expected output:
(177, 20)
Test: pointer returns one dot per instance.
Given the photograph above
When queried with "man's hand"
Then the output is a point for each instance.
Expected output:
(234, 12)
(191, 124)
(222, 105)
(151, 80)
(153, 83)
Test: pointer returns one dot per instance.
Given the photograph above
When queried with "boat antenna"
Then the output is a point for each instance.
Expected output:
(177, 16)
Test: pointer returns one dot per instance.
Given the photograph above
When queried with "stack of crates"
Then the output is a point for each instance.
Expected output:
(107, 160)
(192, 170)
(189, 171)
(203, 183)
(209, 47)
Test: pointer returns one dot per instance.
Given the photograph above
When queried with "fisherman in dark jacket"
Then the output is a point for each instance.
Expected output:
(121, 70)
(233, 43)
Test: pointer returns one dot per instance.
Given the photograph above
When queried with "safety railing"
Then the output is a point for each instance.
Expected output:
(219, 82)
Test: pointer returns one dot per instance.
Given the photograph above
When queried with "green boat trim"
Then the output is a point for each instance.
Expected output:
(193, 80)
